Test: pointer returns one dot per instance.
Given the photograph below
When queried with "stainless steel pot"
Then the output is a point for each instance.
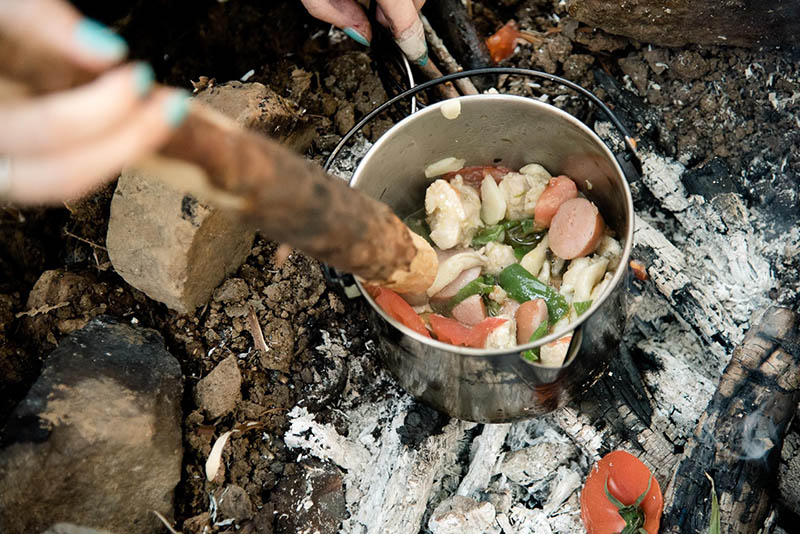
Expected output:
(499, 385)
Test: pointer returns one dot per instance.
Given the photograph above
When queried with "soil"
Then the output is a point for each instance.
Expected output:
(726, 112)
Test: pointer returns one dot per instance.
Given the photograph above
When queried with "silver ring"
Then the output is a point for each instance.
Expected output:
(5, 175)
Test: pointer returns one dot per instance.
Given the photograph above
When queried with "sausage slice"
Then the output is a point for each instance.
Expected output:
(576, 229)
(529, 316)
(558, 190)
(470, 311)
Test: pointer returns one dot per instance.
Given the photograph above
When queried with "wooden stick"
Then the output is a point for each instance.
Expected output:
(739, 437)
(289, 199)
(448, 62)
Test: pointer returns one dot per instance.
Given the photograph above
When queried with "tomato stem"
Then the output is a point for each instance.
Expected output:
(631, 513)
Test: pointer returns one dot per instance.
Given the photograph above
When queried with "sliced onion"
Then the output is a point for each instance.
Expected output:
(452, 267)
(493, 202)
(443, 166)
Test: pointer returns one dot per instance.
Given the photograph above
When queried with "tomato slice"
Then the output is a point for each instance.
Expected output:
(474, 175)
(501, 43)
(398, 309)
(451, 331)
(627, 478)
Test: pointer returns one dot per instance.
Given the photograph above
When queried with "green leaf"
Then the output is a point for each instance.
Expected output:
(716, 525)
(523, 286)
(582, 306)
(487, 234)
(532, 355)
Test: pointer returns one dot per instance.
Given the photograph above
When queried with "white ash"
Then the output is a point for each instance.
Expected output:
(350, 156)
(462, 515)
(485, 454)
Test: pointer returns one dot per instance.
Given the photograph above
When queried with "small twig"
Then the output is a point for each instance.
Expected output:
(432, 72)
(255, 331)
(42, 309)
(84, 240)
(448, 62)
(166, 523)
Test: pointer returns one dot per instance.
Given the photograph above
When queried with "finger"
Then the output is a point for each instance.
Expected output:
(55, 26)
(344, 14)
(403, 20)
(75, 172)
(381, 16)
(62, 120)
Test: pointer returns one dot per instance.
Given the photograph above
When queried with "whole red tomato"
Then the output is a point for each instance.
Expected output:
(609, 497)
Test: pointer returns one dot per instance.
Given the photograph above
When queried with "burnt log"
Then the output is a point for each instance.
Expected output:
(453, 24)
(739, 437)
(716, 22)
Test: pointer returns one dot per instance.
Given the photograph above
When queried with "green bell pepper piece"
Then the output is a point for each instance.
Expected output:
(581, 306)
(523, 286)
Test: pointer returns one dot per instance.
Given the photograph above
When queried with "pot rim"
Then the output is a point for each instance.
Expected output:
(615, 281)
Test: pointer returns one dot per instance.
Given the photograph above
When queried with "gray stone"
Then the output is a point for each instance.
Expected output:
(97, 440)
(720, 22)
(219, 391)
(462, 515)
(233, 503)
(232, 290)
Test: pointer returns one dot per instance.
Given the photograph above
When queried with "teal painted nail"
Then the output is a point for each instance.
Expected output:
(423, 59)
(353, 34)
(100, 40)
(177, 107)
(143, 78)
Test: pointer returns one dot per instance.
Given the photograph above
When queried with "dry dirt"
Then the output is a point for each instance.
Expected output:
(718, 110)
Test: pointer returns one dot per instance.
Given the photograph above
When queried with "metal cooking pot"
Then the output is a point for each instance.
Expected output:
(495, 386)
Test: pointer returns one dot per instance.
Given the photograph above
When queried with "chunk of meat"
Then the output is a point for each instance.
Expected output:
(453, 212)
(553, 354)
(470, 311)
(530, 315)
(576, 229)
(558, 190)
(474, 175)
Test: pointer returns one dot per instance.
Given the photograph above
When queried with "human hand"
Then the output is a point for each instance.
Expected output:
(400, 16)
(62, 145)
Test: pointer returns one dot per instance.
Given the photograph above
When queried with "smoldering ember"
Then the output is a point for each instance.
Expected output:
(184, 349)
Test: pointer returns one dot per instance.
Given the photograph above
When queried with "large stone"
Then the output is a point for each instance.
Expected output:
(677, 23)
(97, 440)
(219, 391)
(171, 246)
(259, 108)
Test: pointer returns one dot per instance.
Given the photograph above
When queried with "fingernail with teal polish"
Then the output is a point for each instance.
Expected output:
(143, 78)
(177, 107)
(357, 37)
(423, 59)
(100, 40)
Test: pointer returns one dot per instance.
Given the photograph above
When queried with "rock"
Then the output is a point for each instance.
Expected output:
(232, 290)
(66, 528)
(171, 246)
(259, 108)
(53, 306)
(721, 22)
(311, 500)
(219, 391)
(97, 440)
(279, 336)
(637, 70)
(233, 503)
(462, 515)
